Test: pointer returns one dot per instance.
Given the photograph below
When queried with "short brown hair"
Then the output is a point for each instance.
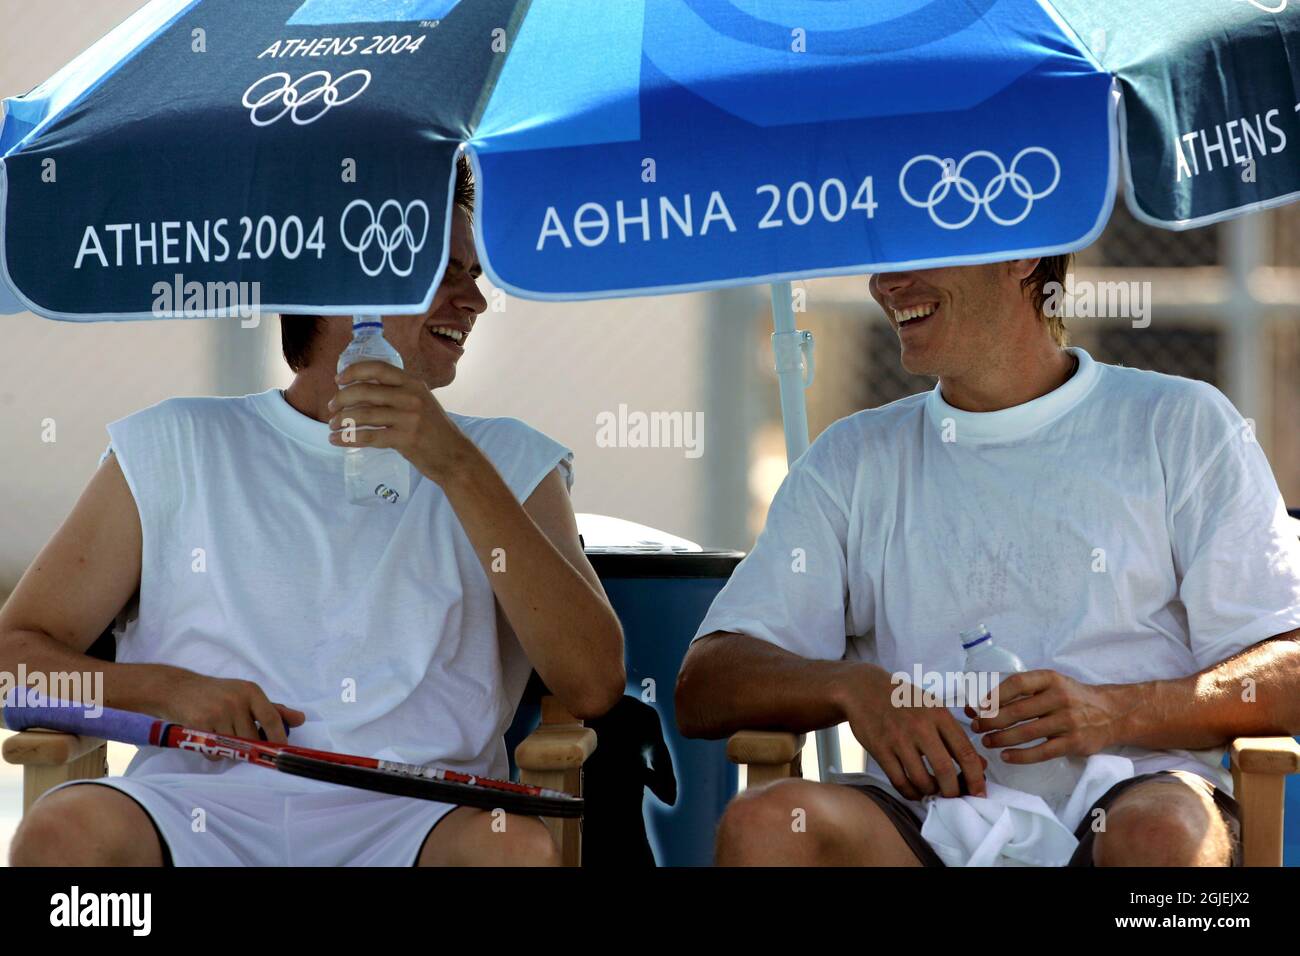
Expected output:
(297, 332)
(1051, 269)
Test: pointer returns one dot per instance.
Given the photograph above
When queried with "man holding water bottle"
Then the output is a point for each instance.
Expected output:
(264, 600)
(1120, 531)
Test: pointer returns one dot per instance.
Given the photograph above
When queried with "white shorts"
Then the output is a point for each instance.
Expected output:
(261, 818)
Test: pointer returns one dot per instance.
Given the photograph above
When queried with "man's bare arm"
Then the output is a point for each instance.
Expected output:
(730, 682)
(78, 583)
(1252, 694)
(546, 588)
(556, 608)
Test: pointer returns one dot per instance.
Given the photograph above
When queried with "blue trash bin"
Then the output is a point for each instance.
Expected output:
(660, 598)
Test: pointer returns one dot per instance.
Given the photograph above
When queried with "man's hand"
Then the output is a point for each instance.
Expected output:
(900, 724)
(1076, 719)
(408, 418)
(232, 707)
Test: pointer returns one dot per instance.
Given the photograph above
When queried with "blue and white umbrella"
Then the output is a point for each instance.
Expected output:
(626, 147)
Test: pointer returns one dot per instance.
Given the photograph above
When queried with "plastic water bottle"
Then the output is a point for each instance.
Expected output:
(373, 476)
(1053, 780)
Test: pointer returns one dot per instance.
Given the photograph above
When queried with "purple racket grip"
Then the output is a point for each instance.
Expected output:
(120, 725)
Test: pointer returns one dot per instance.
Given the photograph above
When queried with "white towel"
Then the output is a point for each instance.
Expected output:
(1012, 828)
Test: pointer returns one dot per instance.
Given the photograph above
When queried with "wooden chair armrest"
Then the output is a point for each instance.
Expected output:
(555, 748)
(768, 755)
(560, 742)
(49, 758)
(1259, 769)
(47, 748)
(763, 747)
(552, 756)
(1277, 755)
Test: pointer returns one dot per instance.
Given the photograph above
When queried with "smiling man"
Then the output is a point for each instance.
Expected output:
(1119, 530)
(265, 600)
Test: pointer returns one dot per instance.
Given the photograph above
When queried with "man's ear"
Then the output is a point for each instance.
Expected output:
(1022, 269)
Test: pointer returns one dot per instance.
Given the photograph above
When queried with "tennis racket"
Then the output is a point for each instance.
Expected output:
(364, 773)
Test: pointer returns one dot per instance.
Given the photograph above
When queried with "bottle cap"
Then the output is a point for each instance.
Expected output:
(972, 636)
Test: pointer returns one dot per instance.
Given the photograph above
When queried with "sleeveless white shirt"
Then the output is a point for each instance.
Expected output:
(378, 622)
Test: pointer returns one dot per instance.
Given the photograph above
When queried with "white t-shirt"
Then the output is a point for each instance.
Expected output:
(1125, 527)
(378, 622)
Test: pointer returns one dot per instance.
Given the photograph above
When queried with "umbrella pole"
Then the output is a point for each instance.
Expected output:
(792, 351)
(788, 350)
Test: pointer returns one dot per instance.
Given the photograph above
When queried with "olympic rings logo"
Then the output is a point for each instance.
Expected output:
(317, 87)
(387, 233)
(953, 176)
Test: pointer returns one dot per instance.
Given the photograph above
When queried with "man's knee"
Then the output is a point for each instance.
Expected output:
(763, 815)
(523, 841)
(479, 838)
(790, 821)
(85, 826)
(1163, 824)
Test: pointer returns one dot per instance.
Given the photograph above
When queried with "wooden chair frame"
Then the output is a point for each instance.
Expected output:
(1260, 766)
(551, 756)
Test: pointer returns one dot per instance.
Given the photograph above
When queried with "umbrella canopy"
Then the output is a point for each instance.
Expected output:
(625, 148)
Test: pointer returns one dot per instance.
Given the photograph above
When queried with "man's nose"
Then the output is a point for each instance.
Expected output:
(468, 297)
(890, 283)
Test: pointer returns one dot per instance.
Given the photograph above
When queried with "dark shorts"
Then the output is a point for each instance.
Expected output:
(909, 827)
